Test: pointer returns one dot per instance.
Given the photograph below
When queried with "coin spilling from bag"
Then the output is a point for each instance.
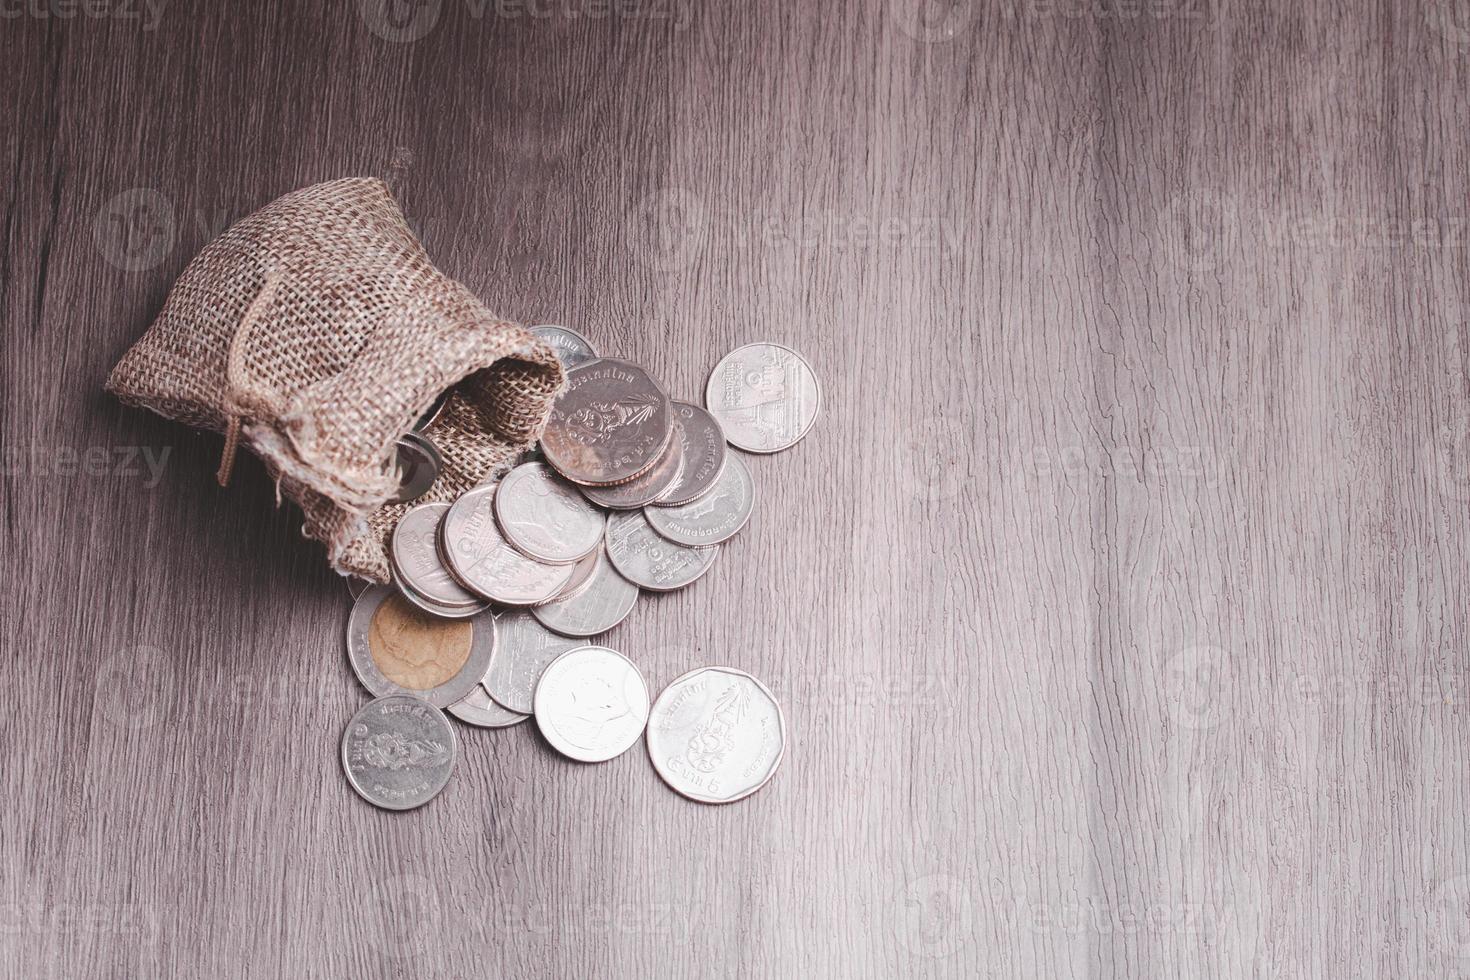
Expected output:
(498, 595)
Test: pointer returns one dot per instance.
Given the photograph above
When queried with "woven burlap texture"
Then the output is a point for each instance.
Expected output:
(316, 332)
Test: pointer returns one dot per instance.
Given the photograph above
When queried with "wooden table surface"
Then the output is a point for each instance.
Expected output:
(1117, 602)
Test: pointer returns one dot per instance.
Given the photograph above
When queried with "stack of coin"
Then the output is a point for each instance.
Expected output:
(496, 598)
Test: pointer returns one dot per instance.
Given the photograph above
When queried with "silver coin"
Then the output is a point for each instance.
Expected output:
(647, 488)
(524, 650)
(414, 550)
(571, 347)
(581, 577)
(647, 559)
(765, 396)
(544, 516)
(610, 424)
(418, 463)
(605, 603)
(434, 608)
(715, 517)
(591, 704)
(398, 752)
(479, 709)
(486, 564)
(716, 735)
(432, 415)
(703, 449)
(371, 676)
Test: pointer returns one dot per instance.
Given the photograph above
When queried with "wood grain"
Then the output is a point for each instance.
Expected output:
(1117, 602)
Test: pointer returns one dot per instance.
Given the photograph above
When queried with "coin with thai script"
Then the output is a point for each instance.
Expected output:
(610, 424)
(571, 347)
(765, 396)
(716, 735)
(591, 704)
(418, 463)
(605, 603)
(479, 709)
(414, 551)
(545, 517)
(647, 559)
(647, 488)
(484, 562)
(524, 650)
(717, 516)
(703, 449)
(398, 752)
(396, 648)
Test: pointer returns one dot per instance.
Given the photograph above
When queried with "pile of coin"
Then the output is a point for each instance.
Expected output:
(496, 597)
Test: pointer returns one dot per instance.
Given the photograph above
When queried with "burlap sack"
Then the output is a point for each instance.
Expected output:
(316, 332)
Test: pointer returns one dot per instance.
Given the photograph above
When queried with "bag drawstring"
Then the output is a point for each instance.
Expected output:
(241, 395)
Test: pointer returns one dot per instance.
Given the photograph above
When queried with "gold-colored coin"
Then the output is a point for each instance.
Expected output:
(414, 649)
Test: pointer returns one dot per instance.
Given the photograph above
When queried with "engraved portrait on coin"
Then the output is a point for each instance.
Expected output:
(591, 704)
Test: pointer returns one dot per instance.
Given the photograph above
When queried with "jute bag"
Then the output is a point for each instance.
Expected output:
(316, 332)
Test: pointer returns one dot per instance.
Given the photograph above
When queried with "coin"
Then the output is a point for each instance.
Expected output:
(418, 463)
(395, 648)
(398, 752)
(484, 561)
(647, 559)
(715, 517)
(605, 603)
(544, 517)
(479, 709)
(432, 415)
(591, 704)
(703, 449)
(524, 650)
(414, 550)
(610, 424)
(571, 347)
(581, 577)
(356, 586)
(646, 488)
(716, 735)
(434, 608)
(765, 397)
